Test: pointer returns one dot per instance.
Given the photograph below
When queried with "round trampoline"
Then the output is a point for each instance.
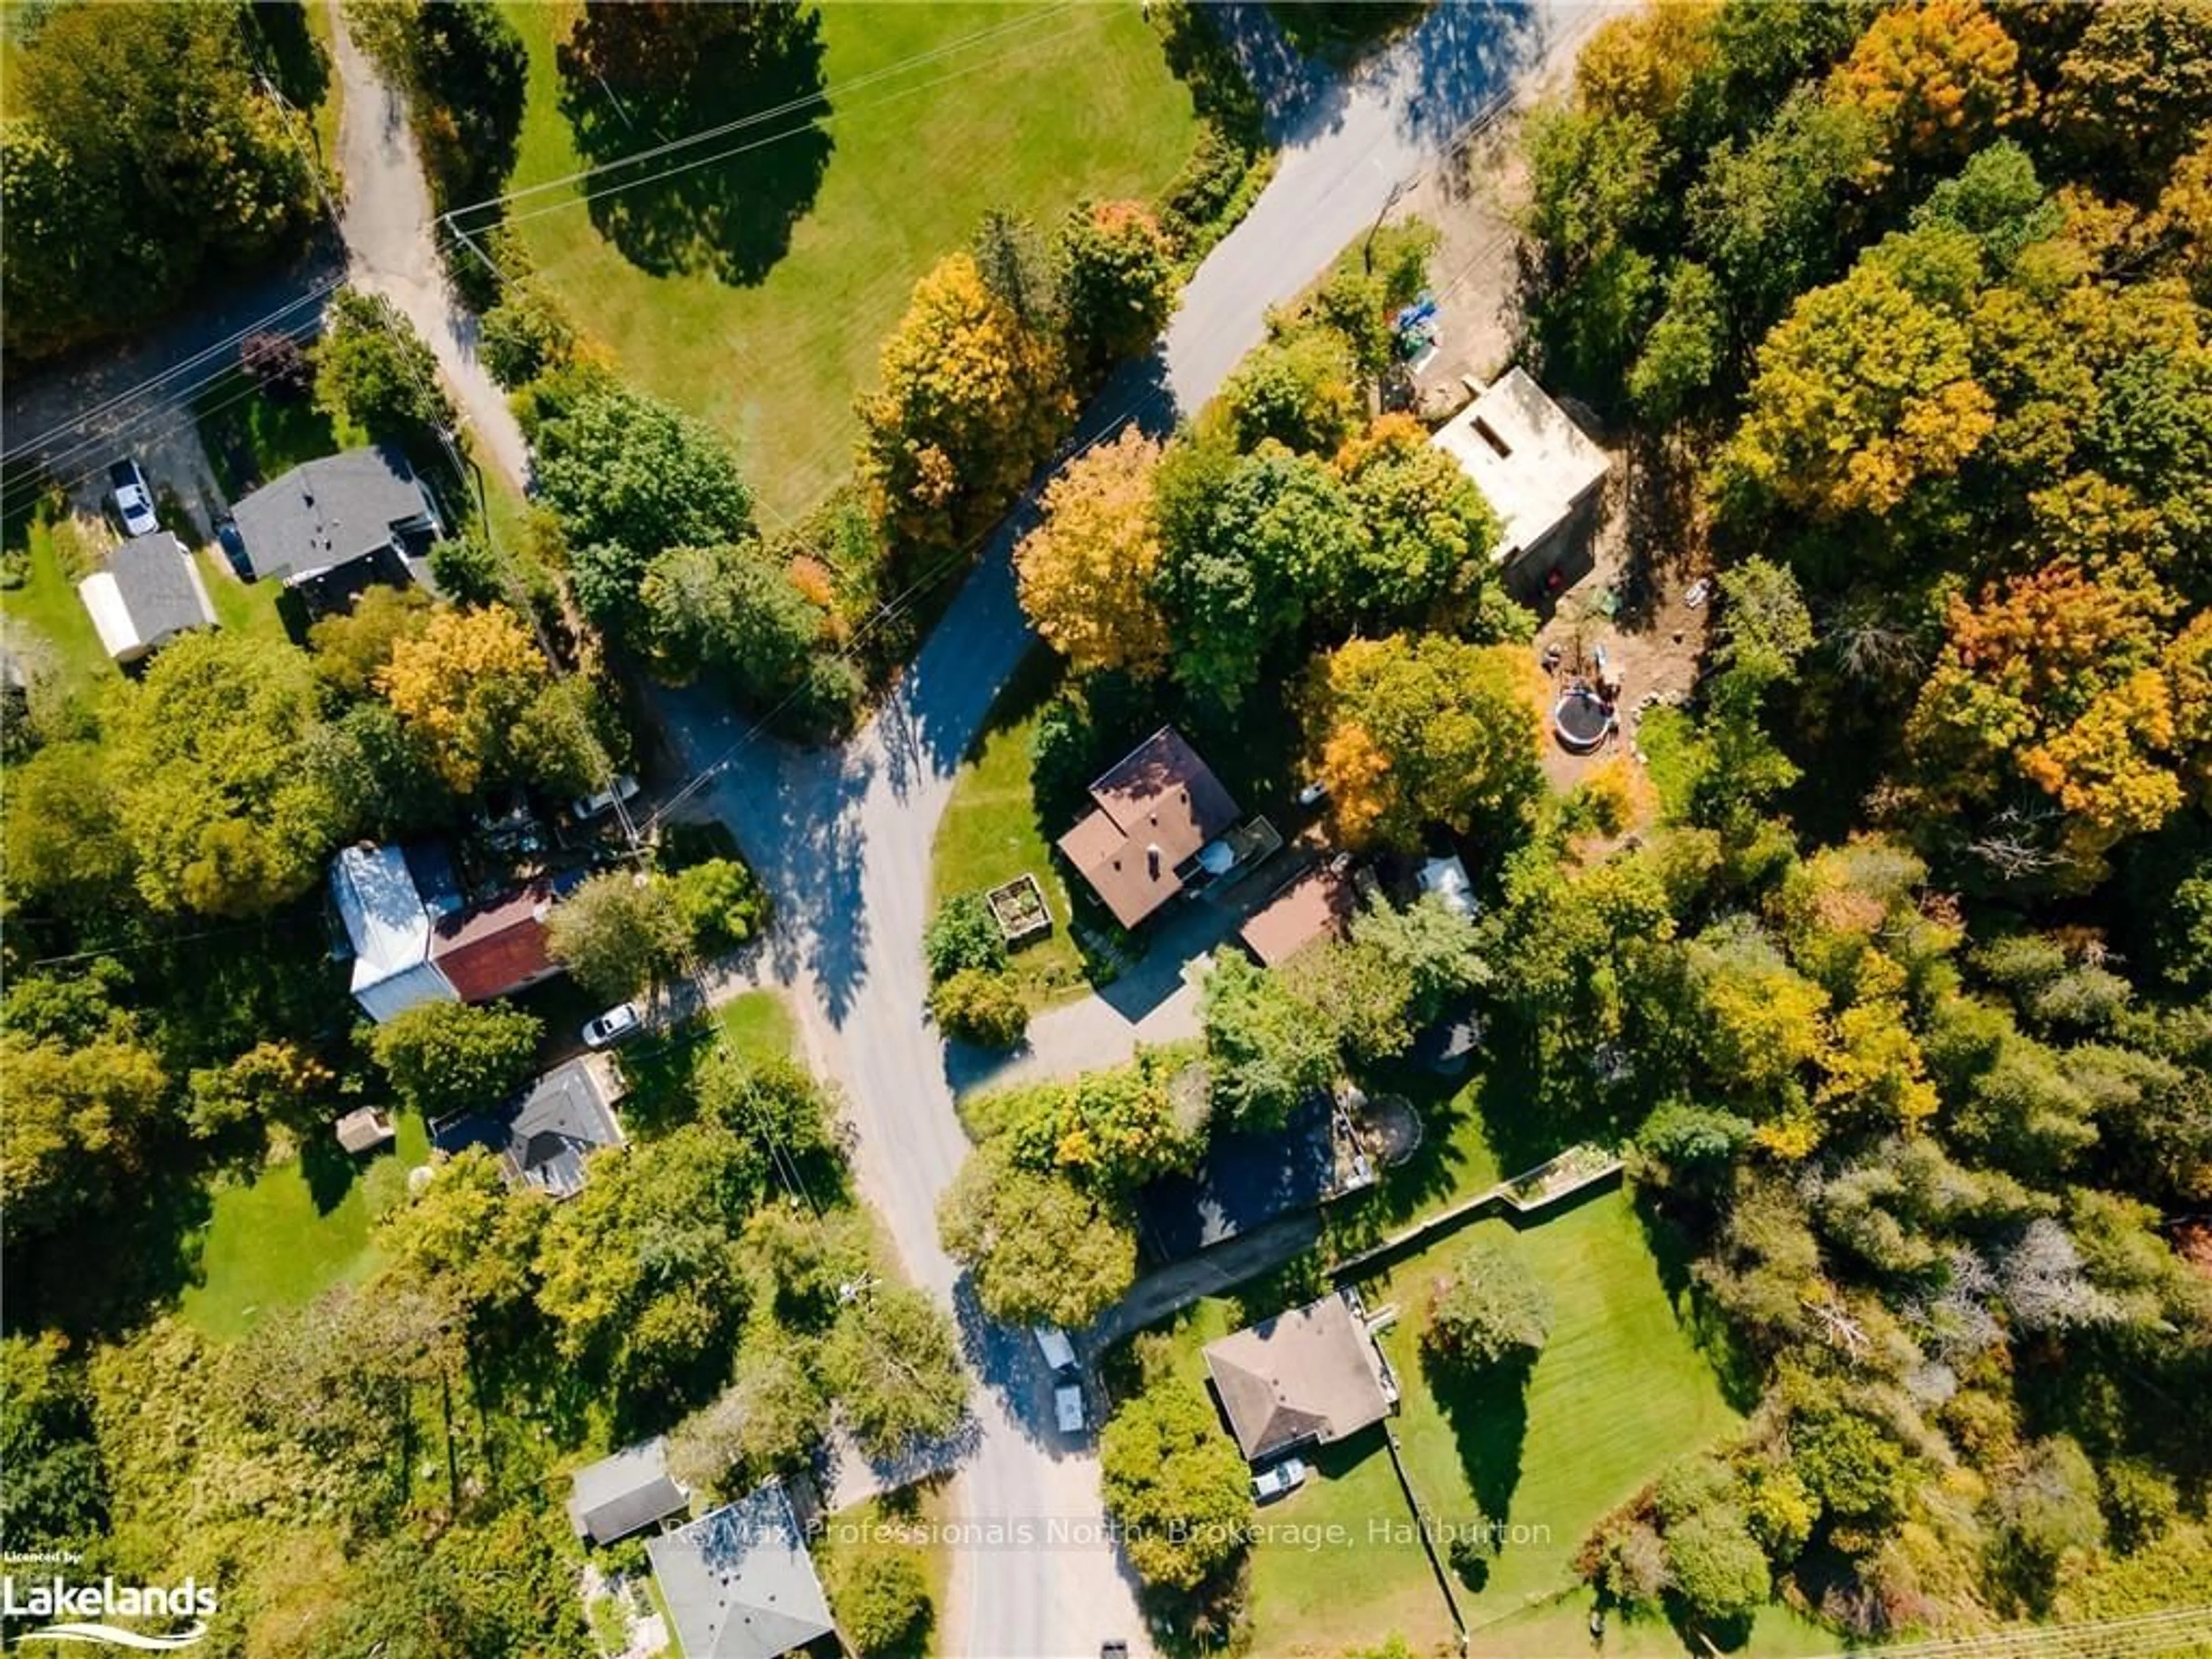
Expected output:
(1581, 720)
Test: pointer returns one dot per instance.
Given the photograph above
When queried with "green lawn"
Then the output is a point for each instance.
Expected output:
(759, 1026)
(991, 833)
(1619, 1390)
(251, 437)
(1058, 103)
(911, 1522)
(46, 607)
(660, 1066)
(248, 608)
(296, 1229)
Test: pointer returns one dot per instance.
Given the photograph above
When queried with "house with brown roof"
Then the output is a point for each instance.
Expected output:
(1316, 905)
(1310, 1376)
(1157, 810)
(496, 949)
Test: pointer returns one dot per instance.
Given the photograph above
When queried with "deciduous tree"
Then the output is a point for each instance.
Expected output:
(970, 400)
(447, 1056)
(1414, 730)
(1174, 1483)
(1090, 571)
(1039, 1249)
(1117, 279)
(619, 934)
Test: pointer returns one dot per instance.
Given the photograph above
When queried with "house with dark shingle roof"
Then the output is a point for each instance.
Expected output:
(149, 594)
(544, 1136)
(1310, 1375)
(738, 1582)
(1156, 810)
(625, 1493)
(327, 516)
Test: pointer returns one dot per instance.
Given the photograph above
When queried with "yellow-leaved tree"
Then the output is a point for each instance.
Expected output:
(971, 400)
(1089, 569)
(462, 686)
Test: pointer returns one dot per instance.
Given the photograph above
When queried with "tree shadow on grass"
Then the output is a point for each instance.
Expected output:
(1488, 1410)
(297, 62)
(633, 78)
(1674, 1252)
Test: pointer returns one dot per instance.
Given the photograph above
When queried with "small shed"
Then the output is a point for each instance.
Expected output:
(1314, 906)
(363, 1130)
(625, 1493)
(149, 594)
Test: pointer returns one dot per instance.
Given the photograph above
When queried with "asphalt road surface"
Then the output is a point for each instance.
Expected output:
(842, 837)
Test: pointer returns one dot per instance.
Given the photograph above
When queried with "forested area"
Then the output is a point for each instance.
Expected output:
(1904, 1005)
(1896, 989)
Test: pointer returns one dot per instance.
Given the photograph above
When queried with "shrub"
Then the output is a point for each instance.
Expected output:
(980, 1007)
(720, 903)
(524, 335)
(279, 365)
(1718, 1569)
(1487, 1310)
(964, 934)
(882, 1602)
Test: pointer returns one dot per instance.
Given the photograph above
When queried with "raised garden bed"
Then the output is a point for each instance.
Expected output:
(1571, 1171)
(1019, 907)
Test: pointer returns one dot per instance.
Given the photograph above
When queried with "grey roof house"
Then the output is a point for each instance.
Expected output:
(545, 1138)
(1310, 1376)
(324, 515)
(625, 1493)
(739, 1584)
(149, 594)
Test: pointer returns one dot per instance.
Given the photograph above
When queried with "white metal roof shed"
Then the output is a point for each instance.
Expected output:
(390, 931)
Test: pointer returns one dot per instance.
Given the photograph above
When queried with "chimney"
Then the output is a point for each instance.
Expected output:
(1153, 860)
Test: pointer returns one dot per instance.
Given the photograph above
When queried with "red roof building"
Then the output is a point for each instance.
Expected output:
(496, 949)
(1156, 809)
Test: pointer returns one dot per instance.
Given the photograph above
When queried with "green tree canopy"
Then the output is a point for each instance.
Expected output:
(1175, 1483)
(1041, 1249)
(447, 1056)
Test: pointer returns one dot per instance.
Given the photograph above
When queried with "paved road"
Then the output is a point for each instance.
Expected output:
(843, 838)
(387, 224)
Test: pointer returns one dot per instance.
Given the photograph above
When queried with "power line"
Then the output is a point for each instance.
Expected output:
(707, 135)
(38, 480)
(260, 325)
(786, 1165)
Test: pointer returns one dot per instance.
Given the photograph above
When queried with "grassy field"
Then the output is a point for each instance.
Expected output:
(1619, 1390)
(991, 833)
(936, 113)
(296, 1229)
(659, 1068)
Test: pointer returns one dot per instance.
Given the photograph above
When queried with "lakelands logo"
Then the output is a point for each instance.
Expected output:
(79, 1612)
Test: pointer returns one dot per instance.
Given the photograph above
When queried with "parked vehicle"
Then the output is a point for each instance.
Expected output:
(133, 499)
(587, 807)
(1067, 1377)
(621, 1021)
(1278, 1479)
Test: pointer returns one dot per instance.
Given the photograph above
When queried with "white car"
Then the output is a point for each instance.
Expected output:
(1067, 1406)
(623, 1020)
(1277, 1479)
(133, 499)
(587, 807)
